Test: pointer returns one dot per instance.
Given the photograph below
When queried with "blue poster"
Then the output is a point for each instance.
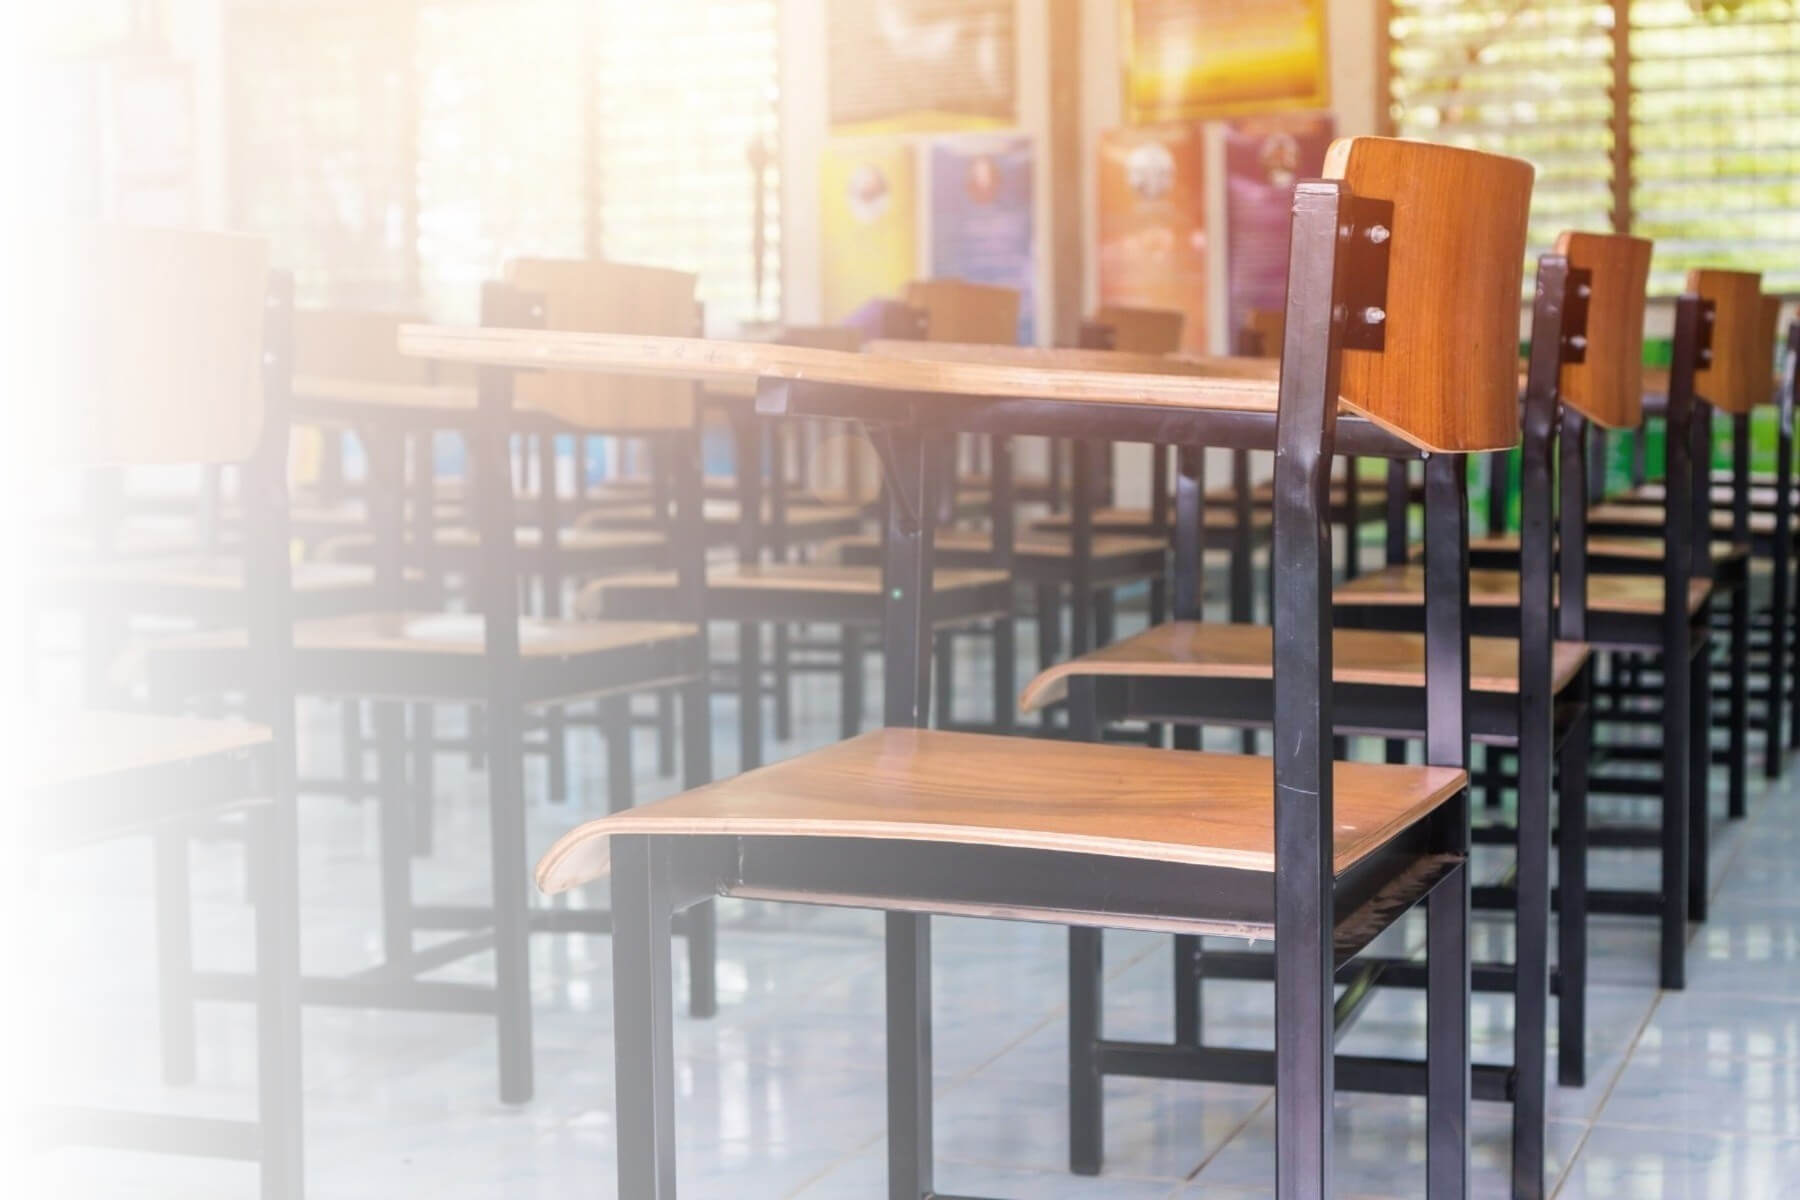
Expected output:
(981, 220)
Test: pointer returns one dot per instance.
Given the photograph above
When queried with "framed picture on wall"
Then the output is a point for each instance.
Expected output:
(1187, 59)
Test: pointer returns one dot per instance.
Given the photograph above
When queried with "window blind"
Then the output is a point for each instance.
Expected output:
(1533, 80)
(1715, 133)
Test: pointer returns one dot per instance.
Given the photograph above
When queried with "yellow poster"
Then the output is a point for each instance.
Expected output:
(869, 217)
(1206, 58)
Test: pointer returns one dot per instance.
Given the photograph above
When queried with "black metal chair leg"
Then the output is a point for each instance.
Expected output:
(174, 955)
(749, 651)
(665, 733)
(1447, 1038)
(644, 1037)
(1740, 699)
(424, 779)
(396, 832)
(616, 721)
(1531, 977)
(1087, 1128)
(279, 1108)
(1571, 918)
(783, 677)
(944, 677)
(1006, 675)
(702, 919)
(1699, 780)
(908, 1058)
(851, 681)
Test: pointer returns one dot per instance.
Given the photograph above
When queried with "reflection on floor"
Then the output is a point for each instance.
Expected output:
(1694, 1094)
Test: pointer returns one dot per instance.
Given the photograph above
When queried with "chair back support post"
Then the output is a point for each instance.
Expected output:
(269, 638)
(1306, 421)
(1555, 283)
(910, 464)
(490, 472)
(1571, 527)
(1190, 533)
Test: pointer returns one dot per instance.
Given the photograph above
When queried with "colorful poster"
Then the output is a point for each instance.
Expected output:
(981, 216)
(1263, 158)
(868, 216)
(1205, 58)
(1152, 223)
(920, 65)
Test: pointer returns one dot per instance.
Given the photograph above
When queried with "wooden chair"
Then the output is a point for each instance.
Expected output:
(507, 664)
(1527, 693)
(1319, 855)
(1637, 614)
(177, 352)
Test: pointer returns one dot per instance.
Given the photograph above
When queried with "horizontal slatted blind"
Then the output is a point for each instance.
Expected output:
(502, 168)
(1533, 80)
(1715, 128)
(398, 154)
(686, 92)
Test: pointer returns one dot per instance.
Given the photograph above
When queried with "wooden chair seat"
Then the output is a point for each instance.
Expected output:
(1138, 521)
(1216, 650)
(1649, 516)
(793, 592)
(204, 588)
(1081, 798)
(1039, 550)
(1762, 496)
(803, 522)
(1371, 495)
(440, 655)
(98, 773)
(577, 548)
(1637, 549)
(1402, 587)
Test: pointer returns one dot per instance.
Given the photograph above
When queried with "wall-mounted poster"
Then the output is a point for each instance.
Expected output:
(981, 216)
(911, 65)
(1152, 223)
(869, 222)
(1204, 58)
(1264, 156)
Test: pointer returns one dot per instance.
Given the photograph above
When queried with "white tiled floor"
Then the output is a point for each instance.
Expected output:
(1691, 1095)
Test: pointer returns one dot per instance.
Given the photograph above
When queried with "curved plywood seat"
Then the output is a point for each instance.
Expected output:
(1079, 798)
(1138, 521)
(91, 744)
(1041, 546)
(1762, 495)
(223, 574)
(1636, 549)
(1215, 650)
(1648, 516)
(1403, 587)
(377, 394)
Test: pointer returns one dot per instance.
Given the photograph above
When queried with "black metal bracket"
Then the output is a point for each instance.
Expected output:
(1578, 292)
(1369, 235)
(1709, 314)
(905, 499)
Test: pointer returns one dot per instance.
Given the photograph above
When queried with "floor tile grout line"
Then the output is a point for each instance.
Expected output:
(1208, 1160)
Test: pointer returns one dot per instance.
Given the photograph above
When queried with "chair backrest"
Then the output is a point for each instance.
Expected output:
(1448, 376)
(1266, 326)
(604, 297)
(345, 344)
(1607, 385)
(1771, 332)
(1735, 379)
(959, 311)
(157, 351)
(1142, 330)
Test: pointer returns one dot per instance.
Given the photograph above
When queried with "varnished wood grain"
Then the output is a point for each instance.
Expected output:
(1650, 516)
(1032, 544)
(959, 311)
(1637, 595)
(1448, 376)
(454, 633)
(1061, 358)
(1735, 380)
(1080, 798)
(1641, 549)
(605, 297)
(61, 748)
(156, 347)
(1217, 650)
(714, 360)
(1607, 386)
(824, 578)
(1142, 330)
